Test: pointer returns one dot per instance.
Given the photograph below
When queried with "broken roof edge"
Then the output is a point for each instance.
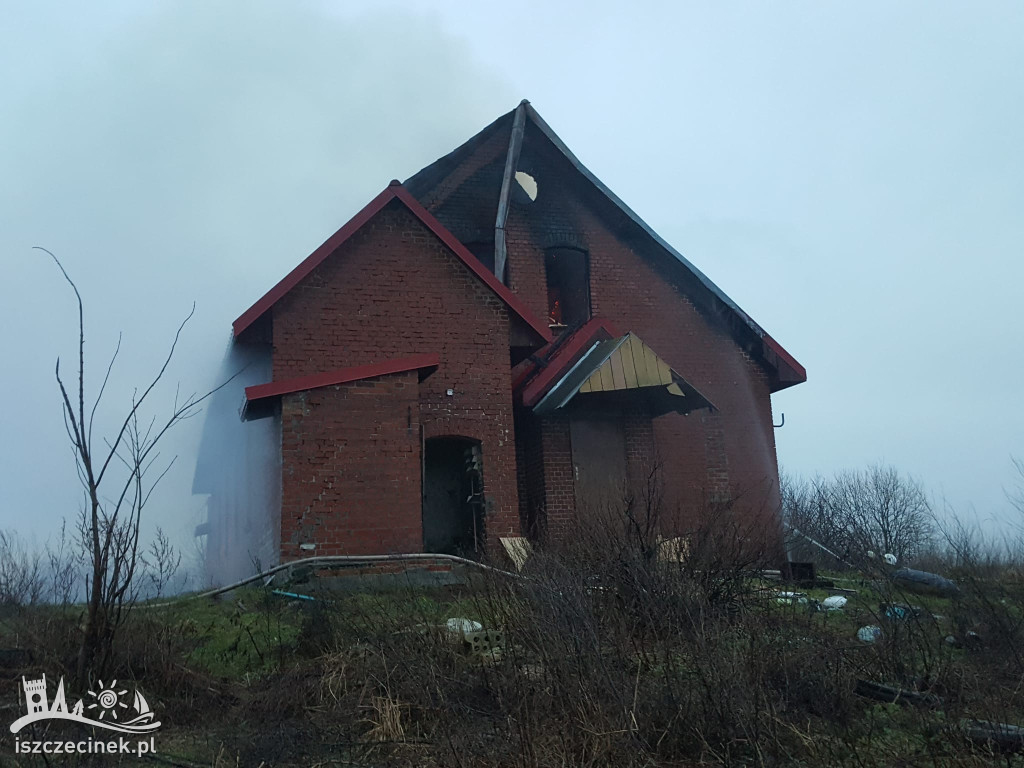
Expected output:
(394, 191)
(553, 392)
(595, 358)
(428, 176)
(565, 351)
(342, 376)
(798, 371)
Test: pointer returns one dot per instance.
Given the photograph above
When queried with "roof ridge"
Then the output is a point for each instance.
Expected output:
(773, 353)
(394, 191)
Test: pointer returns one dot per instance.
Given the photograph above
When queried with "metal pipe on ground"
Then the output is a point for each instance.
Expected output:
(338, 560)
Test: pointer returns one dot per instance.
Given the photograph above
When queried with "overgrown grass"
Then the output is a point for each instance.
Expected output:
(602, 654)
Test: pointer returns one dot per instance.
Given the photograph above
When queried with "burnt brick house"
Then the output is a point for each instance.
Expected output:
(487, 350)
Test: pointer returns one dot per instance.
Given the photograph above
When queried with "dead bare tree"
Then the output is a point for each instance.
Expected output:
(127, 463)
(876, 509)
(883, 510)
(162, 561)
(810, 517)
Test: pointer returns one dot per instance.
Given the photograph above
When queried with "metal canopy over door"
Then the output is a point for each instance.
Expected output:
(618, 369)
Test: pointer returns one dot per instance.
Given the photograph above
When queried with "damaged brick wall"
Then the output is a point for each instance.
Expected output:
(709, 457)
(549, 481)
(350, 468)
(394, 290)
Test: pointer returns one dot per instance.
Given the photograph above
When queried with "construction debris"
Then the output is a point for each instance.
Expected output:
(891, 694)
(924, 583)
(485, 642)
(791, 598)
(674, 550)
(459, 629)
(870, 634)
(518, 549)
(1002, 736)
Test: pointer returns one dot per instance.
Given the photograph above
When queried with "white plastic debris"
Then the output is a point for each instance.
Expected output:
(790, 598)
(872, 633)
(889, 558)
(459, 628)
(834, 603)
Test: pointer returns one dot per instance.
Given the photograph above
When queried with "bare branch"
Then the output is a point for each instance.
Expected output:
(103, 387)
(136, 403)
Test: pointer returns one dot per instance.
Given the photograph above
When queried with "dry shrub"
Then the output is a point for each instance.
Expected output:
(613, 653)
(620, 650)
(385, 719)
(624, 658)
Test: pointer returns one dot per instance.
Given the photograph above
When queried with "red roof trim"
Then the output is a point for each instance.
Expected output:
(542, 358)
(393, 191)
(565, 356)
(799, 372)
(504, 293)
(342, 376)
(293, 278)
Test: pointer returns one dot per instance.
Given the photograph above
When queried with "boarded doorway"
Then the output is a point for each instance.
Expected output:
(599, 462)
(453, 496)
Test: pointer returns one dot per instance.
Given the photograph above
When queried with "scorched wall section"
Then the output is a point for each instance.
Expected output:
(390, 291)
(708, 458)
(351, 468)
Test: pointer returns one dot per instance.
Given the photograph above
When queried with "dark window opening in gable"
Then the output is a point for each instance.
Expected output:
(568, 275)
(484, 252)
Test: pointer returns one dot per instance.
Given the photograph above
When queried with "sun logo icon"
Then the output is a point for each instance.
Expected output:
(108, 700)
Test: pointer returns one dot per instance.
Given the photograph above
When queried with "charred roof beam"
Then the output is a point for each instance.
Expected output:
(515, 145)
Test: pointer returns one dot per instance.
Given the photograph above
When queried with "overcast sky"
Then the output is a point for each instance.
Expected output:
(852, 174)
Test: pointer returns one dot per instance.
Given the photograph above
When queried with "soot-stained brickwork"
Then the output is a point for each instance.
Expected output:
(423, 379)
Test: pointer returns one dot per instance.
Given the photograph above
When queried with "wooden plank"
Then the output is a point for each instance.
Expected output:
(500, 253)
(664, 372)
(628, 367)
(652, 364)
(587, 386)
(518, 550)
(651, 378)
(515, 144)
(615, 363)
(607, 385)
(639, 364)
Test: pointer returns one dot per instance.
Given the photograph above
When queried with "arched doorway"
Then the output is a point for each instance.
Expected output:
(453, 496)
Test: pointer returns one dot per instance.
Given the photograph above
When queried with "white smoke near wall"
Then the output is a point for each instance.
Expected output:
(238, 471)
(173, 153)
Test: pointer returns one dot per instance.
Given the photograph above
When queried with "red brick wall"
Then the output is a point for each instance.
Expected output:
(529, 473)
(642, 464)
(547, 473)
(394, 290)
(709, 457)
(351, 468)
(390, 291)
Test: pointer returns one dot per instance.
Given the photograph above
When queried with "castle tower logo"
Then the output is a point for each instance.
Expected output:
(108, 707)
